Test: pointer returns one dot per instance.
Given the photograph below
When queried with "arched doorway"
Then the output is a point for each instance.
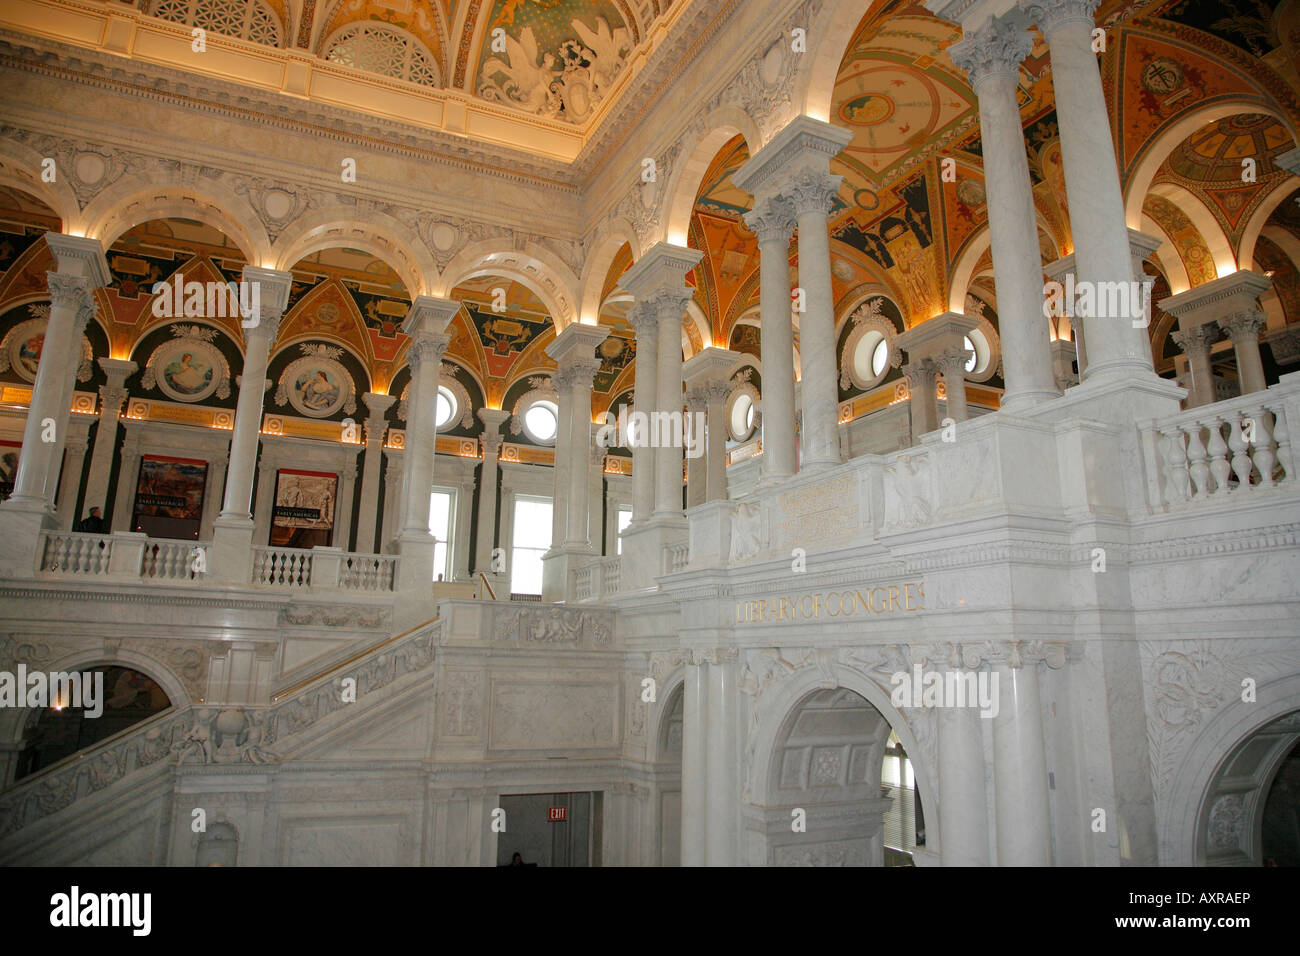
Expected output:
(828, 762)
(668, 773)
(51, 734)
(1251, 814)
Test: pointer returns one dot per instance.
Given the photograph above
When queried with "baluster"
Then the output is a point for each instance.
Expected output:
(1177, 481)
(1218, 452)
(1265, 459)
(1197, 468)
(1282, 435)
(1241, 463)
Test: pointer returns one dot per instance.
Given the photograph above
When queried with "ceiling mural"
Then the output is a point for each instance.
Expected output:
(1209, 165)
(420, 18)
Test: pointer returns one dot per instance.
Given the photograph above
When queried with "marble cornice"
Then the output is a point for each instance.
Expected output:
(207, 94)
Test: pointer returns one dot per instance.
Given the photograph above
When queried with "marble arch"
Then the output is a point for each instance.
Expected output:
(1137, 182)
(1216, 240)
(829, 36)
(17, 165)
(1186, 791)
(776, 709)
(665, 703)
(1255, 225)
(535, 267)
(380, 235)
(604, 248)
(134, 200)
(715, 131)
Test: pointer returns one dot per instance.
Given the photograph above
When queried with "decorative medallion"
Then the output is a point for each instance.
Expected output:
(189, 368)
(317, 385)
(21, 347)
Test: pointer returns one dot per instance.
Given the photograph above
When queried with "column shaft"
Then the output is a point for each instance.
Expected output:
(694, 766)
(645, 387)
(579, 497)
(812, 197)
(1097, 224)
(248, 423)
(992, 58)
(668, 454)
(1020, 770)
(1244, 328)
(716, 448)
(963, 810)
(772, 220)
(71, 306)
(111, 398)
(1196, 344)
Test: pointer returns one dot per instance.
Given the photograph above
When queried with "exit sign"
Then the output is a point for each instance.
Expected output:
(557, 814)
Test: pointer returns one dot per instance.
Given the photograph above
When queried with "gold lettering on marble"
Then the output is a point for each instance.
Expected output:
(891, 599)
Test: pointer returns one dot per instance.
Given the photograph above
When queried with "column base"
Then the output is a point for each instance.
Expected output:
(20, 545)
(231, 559)
(1120, 398)
(558, 566)
(413, 584)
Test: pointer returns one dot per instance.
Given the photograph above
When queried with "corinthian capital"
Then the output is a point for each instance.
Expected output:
(1050, 14)
(668, 305)
(952, 361)
(921, 376)
(772, 220)
(1197, 341)
(427, 347)
(1245, 325)
(812, 191)
(70, 292)
(996, 48)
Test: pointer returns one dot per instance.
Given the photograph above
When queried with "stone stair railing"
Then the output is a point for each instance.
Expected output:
(210, 735)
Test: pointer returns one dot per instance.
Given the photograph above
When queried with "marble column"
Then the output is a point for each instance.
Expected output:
(574, 351)
(1230, 300)
(1196, 344)
(695, 764)
(1118, 344)
(722, 792)
(696, 467)
(922, 376)
(812, 194)
(343, 504)
(646, 326)
(1020, 765)
(392, 519)
(951, 363)
(232, 531)
(111, 398)
(426, 324)
(657, 282)
(963, 808)
(74, 462)
(1244, 328)
(772, 220)
(493, 419)
(991, 57)
(376, 428)
(669, 305)
(80, 270)
(716, 395)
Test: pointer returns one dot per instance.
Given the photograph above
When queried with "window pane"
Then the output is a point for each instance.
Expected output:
(440, 527)
(879, 357)
(532, 523)
(969, 346)
(446, 406)
(526, 571)
(541, 421)
(624, 519)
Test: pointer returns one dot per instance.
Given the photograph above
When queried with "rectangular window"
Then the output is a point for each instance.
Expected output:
(624, 519)
(442, 510)
(530, 540)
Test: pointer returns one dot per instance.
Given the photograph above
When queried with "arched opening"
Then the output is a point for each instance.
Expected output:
(56, 732)
(828, 800)
(668, 773)
(1250, 815)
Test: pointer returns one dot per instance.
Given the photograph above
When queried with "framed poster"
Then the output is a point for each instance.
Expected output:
(303, 516)
(9, 452)
(169, 496)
